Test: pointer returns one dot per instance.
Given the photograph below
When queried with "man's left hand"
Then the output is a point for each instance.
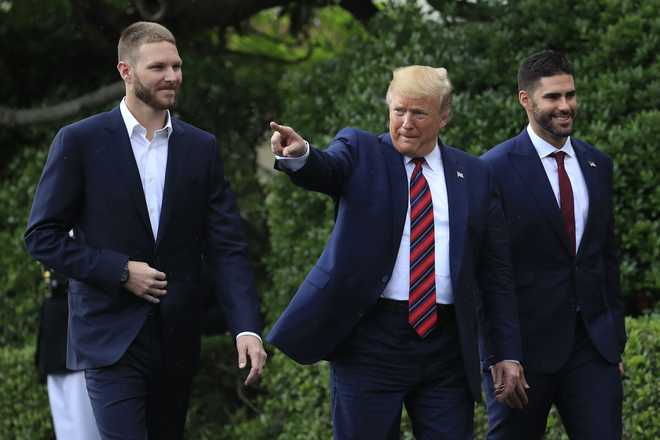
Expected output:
(250, 346)
(510, 383)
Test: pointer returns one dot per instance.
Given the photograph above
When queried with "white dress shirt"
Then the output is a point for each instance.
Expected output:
(398, 286)
(151, 159)
(578, 185)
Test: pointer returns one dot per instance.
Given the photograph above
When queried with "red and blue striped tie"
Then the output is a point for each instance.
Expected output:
(422, 314)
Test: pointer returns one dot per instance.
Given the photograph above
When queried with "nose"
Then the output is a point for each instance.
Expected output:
(563, 104)
(172, 74)
(407, 120)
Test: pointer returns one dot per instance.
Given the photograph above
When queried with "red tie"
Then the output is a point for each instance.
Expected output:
(566, 199)
(422, 314)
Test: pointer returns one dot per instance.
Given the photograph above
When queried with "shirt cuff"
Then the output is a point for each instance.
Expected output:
(293, 164)
(249, 333)
(507, 360)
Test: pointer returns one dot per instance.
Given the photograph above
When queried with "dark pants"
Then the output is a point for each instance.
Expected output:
(384, 365)
(135, 398)
(587, 391)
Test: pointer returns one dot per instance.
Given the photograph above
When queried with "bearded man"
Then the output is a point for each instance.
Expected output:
(146, 197)
(557, 198)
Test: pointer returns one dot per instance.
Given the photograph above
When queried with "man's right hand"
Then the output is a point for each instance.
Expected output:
(285, 142)
(145, 282)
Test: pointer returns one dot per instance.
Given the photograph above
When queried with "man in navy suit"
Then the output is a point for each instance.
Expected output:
(557, 199)
(146, 197)
(392, 300)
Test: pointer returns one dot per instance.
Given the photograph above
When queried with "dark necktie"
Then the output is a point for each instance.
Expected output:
(422, 314)
(566, 199)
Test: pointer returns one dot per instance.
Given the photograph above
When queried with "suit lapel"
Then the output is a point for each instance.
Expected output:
(458, 207)
(398, 190)
(175, 158)
(127, 166)
(589, 166)
(528, 165)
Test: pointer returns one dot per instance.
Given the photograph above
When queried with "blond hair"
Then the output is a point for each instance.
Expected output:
(139, 33)
(422, 82)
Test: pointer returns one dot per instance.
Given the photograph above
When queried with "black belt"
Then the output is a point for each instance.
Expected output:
(396, 305)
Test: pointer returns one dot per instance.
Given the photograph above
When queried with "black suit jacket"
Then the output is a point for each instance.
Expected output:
(551, 283)
(366, 175)
(91, 184)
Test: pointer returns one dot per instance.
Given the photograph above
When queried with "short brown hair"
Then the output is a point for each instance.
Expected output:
(139, 33)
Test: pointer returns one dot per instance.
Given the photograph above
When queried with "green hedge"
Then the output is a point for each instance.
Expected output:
(299, 406)
(24, 410)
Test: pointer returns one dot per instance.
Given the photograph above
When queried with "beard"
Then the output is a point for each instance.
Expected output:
(148, 96)
(546, 121)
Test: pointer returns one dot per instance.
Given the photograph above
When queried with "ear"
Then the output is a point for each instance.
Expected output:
(524, 99)
(444, 118)
(125, 70)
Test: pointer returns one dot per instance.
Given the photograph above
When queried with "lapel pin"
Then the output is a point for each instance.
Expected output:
(459, 174)
(592, 164)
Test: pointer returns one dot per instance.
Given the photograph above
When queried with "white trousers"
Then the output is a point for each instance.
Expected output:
(73, 418)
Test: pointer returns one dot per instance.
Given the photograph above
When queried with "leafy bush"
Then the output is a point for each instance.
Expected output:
(20, 277)
(24, 410)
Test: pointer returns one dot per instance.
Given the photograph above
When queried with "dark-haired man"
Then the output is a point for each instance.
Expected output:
(557, 198)
(147, 199)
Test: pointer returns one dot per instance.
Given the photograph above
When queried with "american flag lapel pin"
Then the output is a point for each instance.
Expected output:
(592, 164)
(459, 174)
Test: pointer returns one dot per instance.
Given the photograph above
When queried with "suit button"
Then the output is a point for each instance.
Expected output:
(385, 278)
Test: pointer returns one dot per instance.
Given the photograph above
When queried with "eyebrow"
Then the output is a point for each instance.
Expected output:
(571, 92)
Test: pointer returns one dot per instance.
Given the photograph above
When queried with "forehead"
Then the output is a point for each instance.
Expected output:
(163, 51)
(399, 100)
(555, 84)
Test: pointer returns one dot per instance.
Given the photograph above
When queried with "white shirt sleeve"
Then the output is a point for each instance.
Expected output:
(293, 163)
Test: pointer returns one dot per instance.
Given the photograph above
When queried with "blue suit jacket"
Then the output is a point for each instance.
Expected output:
(550, 282)
(91, 184)
(366, 175)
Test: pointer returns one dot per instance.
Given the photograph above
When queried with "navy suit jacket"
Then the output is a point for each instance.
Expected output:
(550, 282)
(366, 175)
(91, 184)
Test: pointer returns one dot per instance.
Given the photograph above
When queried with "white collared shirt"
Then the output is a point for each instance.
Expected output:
(578, 184)
(398, 287)
(151, 159)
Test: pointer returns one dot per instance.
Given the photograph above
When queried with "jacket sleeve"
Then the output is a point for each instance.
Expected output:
(613, 285)
(55, 209)
(500, 326)
(327, 171)
(226, 250)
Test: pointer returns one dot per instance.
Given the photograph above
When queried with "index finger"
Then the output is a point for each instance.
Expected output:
(280, 128)
(158, 275)
(255, 372)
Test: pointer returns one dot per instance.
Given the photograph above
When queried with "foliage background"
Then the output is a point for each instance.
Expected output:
(613, 45)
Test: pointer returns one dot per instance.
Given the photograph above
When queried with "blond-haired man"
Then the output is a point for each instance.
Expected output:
(417, 246)
(146, 197)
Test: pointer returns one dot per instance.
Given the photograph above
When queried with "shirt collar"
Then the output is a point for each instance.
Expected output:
(545, 149)
(433, 159)
(132, 124)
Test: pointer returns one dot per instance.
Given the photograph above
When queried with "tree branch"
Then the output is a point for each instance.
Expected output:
(146, 11)
(14, 117)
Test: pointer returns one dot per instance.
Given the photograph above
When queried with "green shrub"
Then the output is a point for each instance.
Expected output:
(21, 287)
(24, 410)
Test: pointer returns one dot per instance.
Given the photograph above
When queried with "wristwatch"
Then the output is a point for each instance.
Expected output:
(124, 274)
